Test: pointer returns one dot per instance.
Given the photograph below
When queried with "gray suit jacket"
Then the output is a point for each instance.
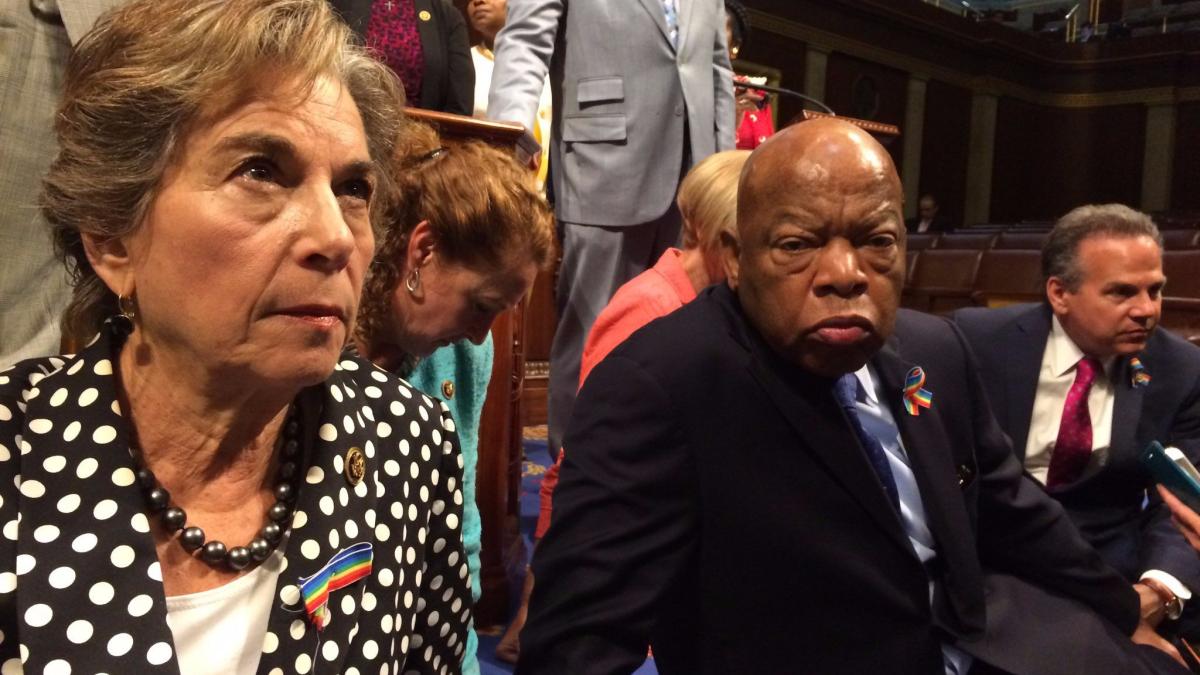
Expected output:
(34, 45)
(624, 98)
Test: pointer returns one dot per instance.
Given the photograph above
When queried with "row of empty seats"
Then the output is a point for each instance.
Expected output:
(941, 280)
(973, 239)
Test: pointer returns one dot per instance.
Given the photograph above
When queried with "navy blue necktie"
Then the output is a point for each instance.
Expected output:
(845, 390)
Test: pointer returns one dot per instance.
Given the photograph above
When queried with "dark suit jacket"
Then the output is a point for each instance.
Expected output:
(940, 224)
(1106, 503)
(448, 83)
(715, 502)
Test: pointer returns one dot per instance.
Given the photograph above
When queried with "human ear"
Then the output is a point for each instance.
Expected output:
(1056, 295)
(730, 250)
(421, 245)
(110, 258)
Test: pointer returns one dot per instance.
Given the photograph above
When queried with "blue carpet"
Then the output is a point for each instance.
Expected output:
(537, 460)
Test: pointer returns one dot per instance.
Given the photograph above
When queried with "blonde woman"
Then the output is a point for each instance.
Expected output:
(708, 203)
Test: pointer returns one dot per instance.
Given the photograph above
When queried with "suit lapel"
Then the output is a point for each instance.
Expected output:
(933, 466)
(1127, 413)
(433, 54)
(1027, 343)
(658, 15)
(687, 10)
(808, 406)
(331, 514)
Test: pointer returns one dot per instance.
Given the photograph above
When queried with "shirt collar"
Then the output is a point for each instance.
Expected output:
(1065, 354)
(867, 383)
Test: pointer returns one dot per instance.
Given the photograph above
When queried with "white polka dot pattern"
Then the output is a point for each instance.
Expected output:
(79, 578)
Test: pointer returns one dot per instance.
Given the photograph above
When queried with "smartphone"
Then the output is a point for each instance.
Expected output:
(1171, 467)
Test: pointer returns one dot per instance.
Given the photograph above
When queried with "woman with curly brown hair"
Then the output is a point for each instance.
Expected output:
(467, 237)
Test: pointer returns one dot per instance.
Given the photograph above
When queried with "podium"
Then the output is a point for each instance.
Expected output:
(498, 474)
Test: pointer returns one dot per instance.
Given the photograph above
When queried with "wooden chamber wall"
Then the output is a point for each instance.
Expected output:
(861, 88)
(947, 132)
(1185, 192)
(1070, 119)
(1050, 160)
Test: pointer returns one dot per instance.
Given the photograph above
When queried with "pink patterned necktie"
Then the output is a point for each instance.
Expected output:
(1073, 447)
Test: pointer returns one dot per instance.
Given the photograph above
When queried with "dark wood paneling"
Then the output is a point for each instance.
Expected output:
(917, 28)
(1185, 184)
(541, 318)
(1050, 160)
(785, 55)
(848, 78)
(944, 147)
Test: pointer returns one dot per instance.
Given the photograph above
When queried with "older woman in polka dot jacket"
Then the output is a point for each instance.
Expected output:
(210, 486)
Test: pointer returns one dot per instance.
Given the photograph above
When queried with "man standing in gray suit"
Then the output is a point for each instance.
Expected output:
(642, 89)
(35, 42)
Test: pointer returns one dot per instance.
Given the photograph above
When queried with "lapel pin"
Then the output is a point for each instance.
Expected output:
(965, 474)
(356, 465)
(348, 566)
(915, 395)
(1138, 375)
(425, 15)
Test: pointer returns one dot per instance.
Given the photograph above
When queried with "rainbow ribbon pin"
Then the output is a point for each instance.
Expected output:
(348, 566)
(915, 395)
(1139, 375)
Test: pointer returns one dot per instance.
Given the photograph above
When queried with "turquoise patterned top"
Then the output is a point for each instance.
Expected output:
(469, 368)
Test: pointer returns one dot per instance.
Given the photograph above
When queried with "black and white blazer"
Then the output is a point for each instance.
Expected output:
(80, 584)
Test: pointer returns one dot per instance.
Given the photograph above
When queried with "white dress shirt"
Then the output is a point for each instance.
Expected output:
(1055, 378)
(877, 420)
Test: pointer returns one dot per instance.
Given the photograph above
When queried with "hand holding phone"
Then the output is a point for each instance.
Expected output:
(1171, 468)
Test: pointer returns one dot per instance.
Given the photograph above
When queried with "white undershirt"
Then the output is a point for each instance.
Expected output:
(221, 631)
(1055, 378)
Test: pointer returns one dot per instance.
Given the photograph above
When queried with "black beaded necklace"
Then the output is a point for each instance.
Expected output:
(215, 553)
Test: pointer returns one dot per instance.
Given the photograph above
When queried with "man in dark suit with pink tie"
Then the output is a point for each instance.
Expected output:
(1083, 382)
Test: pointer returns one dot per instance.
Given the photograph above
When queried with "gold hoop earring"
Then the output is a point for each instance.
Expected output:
(128, 306)
(122, 323)
(413, 281)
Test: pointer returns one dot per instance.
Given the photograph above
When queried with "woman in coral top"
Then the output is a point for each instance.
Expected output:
(708, 203)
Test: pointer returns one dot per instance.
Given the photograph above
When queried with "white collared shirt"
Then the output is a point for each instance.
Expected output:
(1055, 378)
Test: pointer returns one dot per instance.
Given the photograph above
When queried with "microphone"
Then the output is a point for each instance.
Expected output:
(788, 92)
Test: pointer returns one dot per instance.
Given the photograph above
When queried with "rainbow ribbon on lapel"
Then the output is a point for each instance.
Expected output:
(348, 566)
(915, 395)
(1139, 377)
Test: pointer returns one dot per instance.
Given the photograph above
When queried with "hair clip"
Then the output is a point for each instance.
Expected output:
(431, 155)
